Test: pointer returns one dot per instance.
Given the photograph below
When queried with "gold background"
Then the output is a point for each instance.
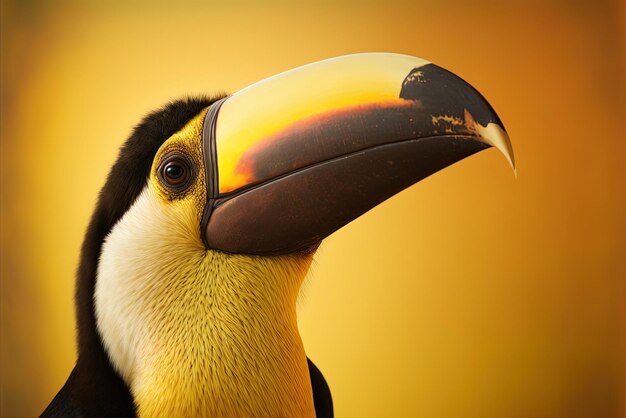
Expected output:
(472, 294)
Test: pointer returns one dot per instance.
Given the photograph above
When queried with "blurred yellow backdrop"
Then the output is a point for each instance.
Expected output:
(472, 294)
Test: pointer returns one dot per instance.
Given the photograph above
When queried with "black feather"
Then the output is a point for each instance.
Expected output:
(94, 388)
(322, 399)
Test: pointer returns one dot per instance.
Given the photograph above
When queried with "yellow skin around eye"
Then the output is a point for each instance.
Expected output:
(187, 141)
(197, 332)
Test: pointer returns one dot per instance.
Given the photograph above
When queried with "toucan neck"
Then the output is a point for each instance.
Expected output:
(195, 332)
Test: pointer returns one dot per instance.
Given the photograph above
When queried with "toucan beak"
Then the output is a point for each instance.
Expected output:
(291, 159)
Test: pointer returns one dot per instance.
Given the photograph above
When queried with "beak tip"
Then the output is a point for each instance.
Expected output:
(507, 151)
(510, 157)
(493, 134)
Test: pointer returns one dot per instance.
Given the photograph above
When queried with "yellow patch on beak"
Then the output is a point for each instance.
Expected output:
(274, 104)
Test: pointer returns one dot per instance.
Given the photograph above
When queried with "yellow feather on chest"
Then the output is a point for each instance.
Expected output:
(199, 333)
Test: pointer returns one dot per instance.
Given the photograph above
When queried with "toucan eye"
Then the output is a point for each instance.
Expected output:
(176, 172)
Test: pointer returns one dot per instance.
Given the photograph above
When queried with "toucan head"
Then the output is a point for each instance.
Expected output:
(239, 199)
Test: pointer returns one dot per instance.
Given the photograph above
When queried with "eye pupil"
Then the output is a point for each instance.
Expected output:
(174, 171)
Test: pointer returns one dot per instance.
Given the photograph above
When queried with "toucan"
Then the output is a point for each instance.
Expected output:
(209, 220)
